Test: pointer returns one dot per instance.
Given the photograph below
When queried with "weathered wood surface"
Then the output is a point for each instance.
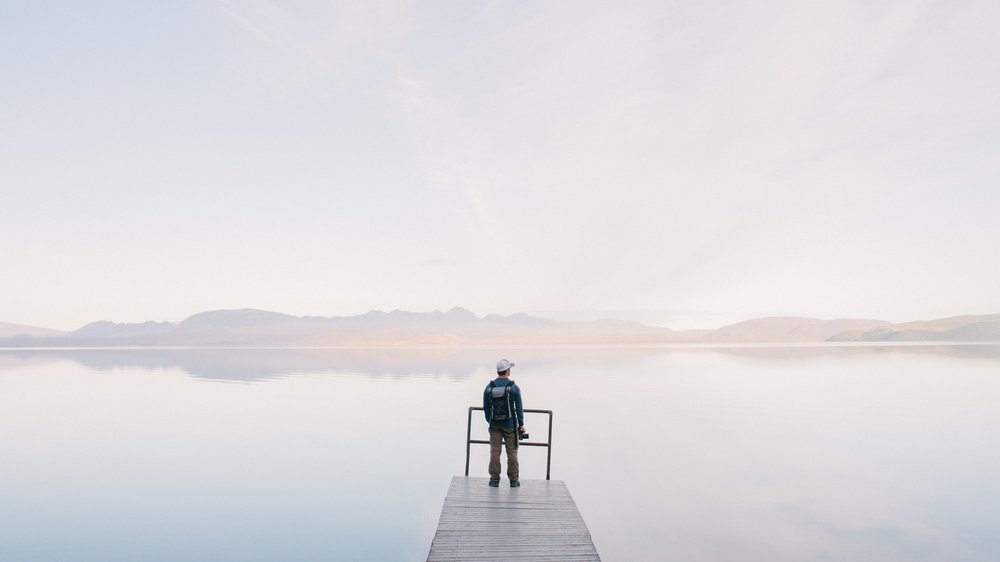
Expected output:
(537, 521)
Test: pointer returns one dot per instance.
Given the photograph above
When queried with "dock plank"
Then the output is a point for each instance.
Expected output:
(537, 521)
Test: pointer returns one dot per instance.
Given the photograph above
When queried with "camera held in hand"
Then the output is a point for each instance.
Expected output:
(522, 435)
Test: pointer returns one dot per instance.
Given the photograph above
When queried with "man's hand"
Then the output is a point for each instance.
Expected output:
(520, 429)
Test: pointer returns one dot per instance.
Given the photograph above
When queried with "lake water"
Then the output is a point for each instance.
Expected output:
(741, 453)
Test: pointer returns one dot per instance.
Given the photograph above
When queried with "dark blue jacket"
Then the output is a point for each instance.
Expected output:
(515, 394)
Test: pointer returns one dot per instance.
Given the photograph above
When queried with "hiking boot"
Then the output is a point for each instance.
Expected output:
(515, 483)
(495, 482)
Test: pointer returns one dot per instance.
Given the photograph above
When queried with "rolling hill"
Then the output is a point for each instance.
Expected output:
(984, 327)
(458, 326)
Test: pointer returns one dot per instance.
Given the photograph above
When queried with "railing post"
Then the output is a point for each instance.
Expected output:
(468, 441)
(548, 458)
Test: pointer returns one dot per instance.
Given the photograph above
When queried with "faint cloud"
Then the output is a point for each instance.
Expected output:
(252, 17)
(317, 40)
(72, 14)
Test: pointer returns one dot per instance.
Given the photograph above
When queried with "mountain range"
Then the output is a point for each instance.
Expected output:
(458, 326)
(983, 327)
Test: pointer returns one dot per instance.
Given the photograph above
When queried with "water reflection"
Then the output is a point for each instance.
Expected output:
(725, 453)
(262, 364)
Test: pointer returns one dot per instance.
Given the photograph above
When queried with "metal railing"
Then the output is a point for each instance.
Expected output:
(548, 444)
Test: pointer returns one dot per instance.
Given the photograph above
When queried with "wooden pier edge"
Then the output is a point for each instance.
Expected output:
(537, 521)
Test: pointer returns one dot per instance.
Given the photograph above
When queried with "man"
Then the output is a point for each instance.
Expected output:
(504, 413)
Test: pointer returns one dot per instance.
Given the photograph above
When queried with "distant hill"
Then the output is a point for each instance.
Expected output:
(789, 329)
(458, 326)
(111, 330)
(22, 331)
(984, 327)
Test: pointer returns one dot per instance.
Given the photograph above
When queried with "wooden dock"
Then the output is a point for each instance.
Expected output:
(537, 521)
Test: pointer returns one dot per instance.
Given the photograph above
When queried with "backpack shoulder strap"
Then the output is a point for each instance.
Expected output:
(508, 394)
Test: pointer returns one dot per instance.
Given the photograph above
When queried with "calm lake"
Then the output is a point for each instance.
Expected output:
(741, 453)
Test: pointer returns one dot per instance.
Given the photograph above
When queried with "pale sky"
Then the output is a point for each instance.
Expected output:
(679, 160)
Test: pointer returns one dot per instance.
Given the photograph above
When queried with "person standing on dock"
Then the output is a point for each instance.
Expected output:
(505, 414)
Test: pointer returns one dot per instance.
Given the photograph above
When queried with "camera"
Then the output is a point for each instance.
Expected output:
(521, 435)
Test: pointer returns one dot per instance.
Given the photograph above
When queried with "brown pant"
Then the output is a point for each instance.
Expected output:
(509, 437)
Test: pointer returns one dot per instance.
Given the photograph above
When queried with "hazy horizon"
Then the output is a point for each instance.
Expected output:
(689, 164)
(652, 318)
(659, 319)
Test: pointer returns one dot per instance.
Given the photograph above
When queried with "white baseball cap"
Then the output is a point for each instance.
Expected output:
(503, 365)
